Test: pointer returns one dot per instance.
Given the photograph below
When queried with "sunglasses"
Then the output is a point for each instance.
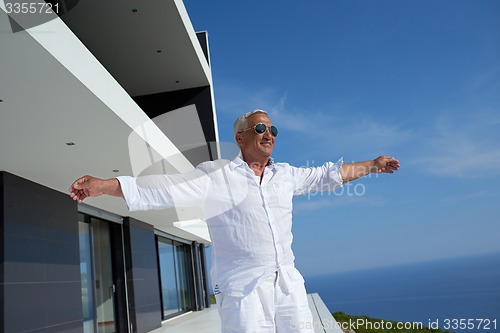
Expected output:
(261, 128)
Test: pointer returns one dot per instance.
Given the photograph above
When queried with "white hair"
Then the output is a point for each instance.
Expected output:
(241, 123)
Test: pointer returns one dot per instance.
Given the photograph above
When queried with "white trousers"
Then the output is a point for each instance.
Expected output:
(266, 310)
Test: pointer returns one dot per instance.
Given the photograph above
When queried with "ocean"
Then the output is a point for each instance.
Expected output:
(458, 294)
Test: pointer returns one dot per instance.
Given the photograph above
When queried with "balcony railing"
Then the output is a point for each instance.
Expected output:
(207, 321)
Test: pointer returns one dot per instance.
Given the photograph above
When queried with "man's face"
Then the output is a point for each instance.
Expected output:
(252, 144)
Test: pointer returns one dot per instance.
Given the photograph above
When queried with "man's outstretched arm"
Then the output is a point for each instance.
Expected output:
(88, 186)
(352, 171)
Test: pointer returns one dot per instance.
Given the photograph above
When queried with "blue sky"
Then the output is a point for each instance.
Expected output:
(418, 80)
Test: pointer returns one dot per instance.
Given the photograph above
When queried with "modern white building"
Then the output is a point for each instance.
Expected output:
(105, 88)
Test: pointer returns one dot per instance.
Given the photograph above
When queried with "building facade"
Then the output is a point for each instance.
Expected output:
(103, 88)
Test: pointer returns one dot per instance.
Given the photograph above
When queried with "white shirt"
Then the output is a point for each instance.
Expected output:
(249, 221)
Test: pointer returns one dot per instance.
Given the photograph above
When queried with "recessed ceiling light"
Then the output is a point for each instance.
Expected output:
(134, 10)
(158, 51)
(70, 143)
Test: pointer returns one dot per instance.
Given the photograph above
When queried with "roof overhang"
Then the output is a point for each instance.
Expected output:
(55, 92)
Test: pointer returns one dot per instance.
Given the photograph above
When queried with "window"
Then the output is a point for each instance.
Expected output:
(174, 280)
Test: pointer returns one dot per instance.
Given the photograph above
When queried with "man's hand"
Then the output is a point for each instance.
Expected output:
(385, 164)
(352, 171)
(88, 186)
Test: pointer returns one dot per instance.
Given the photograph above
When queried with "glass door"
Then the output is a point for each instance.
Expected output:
(87, 276)
(170, 299)
(174, 282)
(96, 269)
(104, 282)
(182, 276)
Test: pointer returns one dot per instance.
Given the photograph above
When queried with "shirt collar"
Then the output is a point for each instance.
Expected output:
(238, 161)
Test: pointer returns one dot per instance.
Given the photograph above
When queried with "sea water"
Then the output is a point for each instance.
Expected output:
(458, 294)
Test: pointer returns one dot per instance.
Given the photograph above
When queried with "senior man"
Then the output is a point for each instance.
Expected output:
(248, 208)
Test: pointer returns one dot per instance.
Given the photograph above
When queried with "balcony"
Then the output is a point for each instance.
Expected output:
(207, 321)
